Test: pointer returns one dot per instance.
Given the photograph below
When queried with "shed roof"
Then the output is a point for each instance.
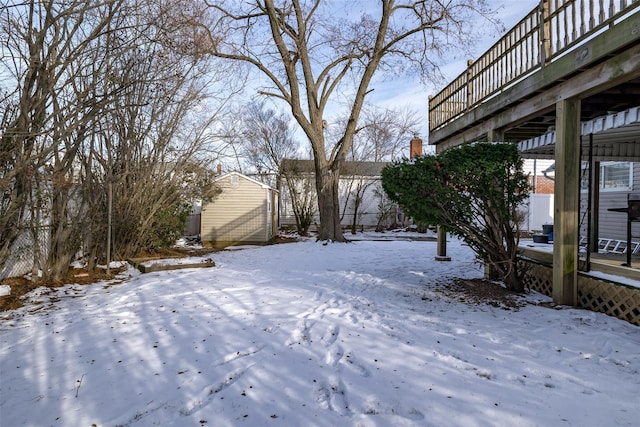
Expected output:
(261, 184)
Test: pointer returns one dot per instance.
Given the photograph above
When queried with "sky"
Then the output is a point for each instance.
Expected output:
(410, 92)
(406, 91)
(365, 334)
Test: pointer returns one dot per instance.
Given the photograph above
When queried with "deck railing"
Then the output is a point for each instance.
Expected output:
(546, 33)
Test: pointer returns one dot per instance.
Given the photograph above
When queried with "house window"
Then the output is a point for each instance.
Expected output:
(614, 176)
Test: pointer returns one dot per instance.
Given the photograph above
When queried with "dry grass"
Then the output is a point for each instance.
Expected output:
(21, 286)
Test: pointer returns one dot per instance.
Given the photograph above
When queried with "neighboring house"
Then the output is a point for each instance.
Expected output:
(360, 184)
(539, 180)
(538, 209)
(245, 212)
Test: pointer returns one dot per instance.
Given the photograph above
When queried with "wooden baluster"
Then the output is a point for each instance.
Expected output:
(574, 22)
(557, 17)
(583, 27)
(545, 32)
(470, 100)
(612, 8)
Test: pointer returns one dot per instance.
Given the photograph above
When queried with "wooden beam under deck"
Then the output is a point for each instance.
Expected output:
(566, 202)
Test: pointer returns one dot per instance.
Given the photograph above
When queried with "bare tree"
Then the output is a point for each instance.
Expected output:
(100, 94)
(383, 136)
(309, 56)
(303, 198)
(268, 142)
(51, 60)
(267, 138)
(151, 146)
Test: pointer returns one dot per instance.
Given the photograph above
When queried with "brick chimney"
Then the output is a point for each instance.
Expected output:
(415, 149)
(219, 169)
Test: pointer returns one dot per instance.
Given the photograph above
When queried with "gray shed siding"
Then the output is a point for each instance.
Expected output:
(242, 213)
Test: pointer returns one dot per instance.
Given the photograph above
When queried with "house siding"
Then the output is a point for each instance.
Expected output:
(368, 211)
(240, 214)
(613, 225)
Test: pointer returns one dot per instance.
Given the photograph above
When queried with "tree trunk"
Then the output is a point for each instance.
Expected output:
(328, 204)
(63, 242)
(513, 280)
(354, 222)
(505, 266)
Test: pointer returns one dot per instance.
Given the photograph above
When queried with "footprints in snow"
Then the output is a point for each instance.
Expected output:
(301, 333)
(208, 394)
(332, 396)
(335, 355)
(331, 335)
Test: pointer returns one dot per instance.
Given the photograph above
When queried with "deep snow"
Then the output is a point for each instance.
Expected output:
(303, 334)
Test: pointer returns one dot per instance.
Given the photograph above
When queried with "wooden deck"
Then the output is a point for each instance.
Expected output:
(606, 263)
(561, 75)
(515, 84)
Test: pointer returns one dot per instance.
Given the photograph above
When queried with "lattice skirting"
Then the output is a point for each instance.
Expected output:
(538, 278)
(610, 298)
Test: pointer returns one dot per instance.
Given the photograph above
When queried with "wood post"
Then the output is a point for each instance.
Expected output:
(442, 246)
(566, 202)
(441, 250)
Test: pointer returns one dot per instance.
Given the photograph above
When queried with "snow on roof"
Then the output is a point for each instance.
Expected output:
(229, 174)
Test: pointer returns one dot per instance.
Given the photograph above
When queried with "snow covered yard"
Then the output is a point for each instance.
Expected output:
(303, 334)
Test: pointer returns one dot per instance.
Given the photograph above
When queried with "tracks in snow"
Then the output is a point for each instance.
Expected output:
(319, 332)
(343, 382)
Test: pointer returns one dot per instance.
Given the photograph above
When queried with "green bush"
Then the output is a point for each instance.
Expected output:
(473, 191)
(167, 227)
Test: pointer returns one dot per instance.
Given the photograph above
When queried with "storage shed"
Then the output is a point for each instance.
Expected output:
(245, 212)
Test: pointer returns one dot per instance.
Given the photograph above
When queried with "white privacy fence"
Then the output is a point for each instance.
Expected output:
(538, 210)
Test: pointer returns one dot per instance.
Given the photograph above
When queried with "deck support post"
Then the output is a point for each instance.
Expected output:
(442, 245)
(566, 202)
(441, 249)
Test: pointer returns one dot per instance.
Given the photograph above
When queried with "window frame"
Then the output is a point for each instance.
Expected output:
(625, 188)
(603, 165)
